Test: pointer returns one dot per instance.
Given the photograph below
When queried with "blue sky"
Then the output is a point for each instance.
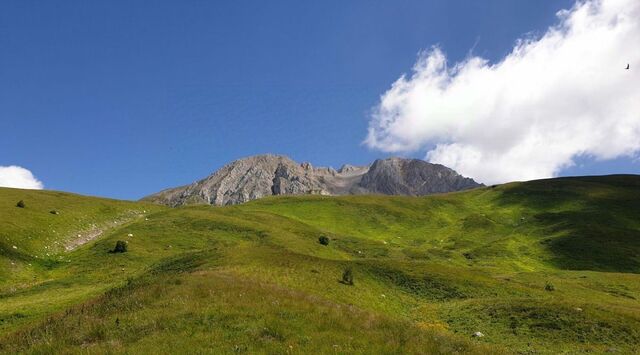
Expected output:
(125, 98)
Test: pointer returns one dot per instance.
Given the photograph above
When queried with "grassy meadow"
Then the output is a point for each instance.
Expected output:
(548, 266)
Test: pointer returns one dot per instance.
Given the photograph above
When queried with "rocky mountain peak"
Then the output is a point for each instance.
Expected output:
(414, 177)
(258, 176)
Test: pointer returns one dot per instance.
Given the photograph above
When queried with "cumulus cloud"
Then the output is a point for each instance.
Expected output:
(553, 98)
(18, 177)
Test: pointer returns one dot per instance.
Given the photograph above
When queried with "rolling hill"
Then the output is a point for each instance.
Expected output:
(547, 266)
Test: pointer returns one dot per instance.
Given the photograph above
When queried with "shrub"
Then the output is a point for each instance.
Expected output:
(347, 277)
(549, 287)
(20, 204)
(324, 240)
(121, 247)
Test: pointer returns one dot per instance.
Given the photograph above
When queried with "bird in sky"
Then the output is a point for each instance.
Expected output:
(627, 68)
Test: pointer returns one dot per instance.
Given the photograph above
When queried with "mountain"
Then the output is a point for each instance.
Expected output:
(258, 176)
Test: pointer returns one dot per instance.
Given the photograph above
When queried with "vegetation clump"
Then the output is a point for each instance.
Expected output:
(324, 240)
(347, 277)
(121, 247)
(21, 204)
(54, 212)
(549, 287)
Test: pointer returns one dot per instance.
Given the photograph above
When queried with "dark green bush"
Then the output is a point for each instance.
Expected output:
(121, 247)
(20, 204)
(324, 240)
(549, 287)
(347, 277)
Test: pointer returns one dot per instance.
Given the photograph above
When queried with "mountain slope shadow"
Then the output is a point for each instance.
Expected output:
(588, 223)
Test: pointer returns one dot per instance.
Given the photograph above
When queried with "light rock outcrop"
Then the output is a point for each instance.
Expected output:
(266, 175)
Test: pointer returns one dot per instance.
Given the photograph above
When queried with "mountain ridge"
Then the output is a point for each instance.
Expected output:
(258, 176)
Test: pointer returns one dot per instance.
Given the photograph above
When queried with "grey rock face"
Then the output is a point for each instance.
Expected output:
(265, 175)
(413, 177)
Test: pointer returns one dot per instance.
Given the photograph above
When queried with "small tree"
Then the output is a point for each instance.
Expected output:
(347, 277)
(121, 247)
(20, 204)
(549, 287)
(324, 240)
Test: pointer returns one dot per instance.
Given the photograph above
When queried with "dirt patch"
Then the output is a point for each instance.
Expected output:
(84, 237)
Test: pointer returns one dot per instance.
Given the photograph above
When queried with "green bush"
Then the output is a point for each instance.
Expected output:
(324, 240)
(347, 277)
(549, 287)
(121, 247)
(20, 204)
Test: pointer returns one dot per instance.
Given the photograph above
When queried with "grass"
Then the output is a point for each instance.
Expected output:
(428, 272)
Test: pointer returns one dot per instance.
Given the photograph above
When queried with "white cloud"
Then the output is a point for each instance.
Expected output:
(562, 95)
(18, 177)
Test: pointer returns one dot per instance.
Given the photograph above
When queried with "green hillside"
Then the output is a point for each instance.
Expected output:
(549, 266)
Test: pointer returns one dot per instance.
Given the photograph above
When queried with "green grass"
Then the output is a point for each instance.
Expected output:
(428, 273)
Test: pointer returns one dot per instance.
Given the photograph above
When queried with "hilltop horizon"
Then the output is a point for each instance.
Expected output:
(338, 168)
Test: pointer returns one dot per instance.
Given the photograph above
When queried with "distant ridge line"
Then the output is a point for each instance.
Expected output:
(259, 176)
